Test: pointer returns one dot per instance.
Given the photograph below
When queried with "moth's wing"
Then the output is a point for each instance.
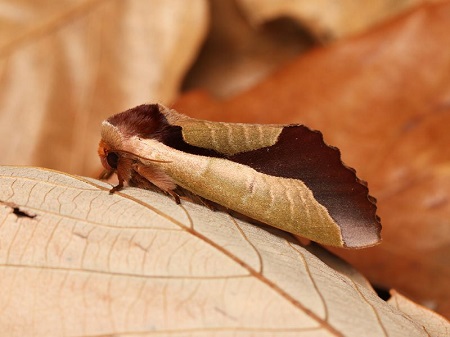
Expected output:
(301, 153)
(296, 152)
(293, 151)
(223, 138)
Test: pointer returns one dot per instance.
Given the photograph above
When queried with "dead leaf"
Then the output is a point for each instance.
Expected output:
(136, 263)
(383, 98)
(433, 324)
(328, 19)
(17, 210)
(67, 65)
(237, 54)
(248, 40)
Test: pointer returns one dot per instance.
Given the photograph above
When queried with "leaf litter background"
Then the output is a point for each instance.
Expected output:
(375, 80)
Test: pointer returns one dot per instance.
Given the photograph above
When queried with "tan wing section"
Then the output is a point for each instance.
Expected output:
(279, 202)
(226, 138)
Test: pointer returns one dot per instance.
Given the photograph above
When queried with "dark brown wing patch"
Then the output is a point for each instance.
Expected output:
(301, 153)
(146, 121)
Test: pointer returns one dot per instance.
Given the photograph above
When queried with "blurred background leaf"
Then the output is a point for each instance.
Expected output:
(373, 77)
(67, 65)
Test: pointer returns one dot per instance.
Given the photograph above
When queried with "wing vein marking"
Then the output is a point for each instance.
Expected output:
(270, 191)
(230, 131)
(306, 210)
(261, 133)
(212, 131)
(287, 192)
(246, 134)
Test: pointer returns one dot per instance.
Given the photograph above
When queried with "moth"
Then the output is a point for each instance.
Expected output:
(285, 176)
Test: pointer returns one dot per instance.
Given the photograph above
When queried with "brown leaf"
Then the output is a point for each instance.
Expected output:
(383, 98)
(92, 263)
(238, 54)
(67, 65)
(248, 39)
(432, 323)
(328, 19)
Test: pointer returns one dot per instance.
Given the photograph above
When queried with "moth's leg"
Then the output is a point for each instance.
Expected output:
(105, 174)
(123, 171)
(157, 177)
(209, 204)
(118, 187)
(175, 196)
(185, 194)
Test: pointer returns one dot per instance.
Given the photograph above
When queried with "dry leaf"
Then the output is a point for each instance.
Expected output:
(236, 54)
(67, 65)
(248, 40)
(383, 98)
(327, 19)
(432, 323)
(91, 263)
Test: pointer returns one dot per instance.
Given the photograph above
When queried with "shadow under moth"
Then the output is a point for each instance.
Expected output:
(285, 176)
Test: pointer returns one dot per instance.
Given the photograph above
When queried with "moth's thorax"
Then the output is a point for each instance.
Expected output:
(110, 142)
(111, 136)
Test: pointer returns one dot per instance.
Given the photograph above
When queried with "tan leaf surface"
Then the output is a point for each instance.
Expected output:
(67, 65)
(383, 98)
(135, 263)
(327, 18)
